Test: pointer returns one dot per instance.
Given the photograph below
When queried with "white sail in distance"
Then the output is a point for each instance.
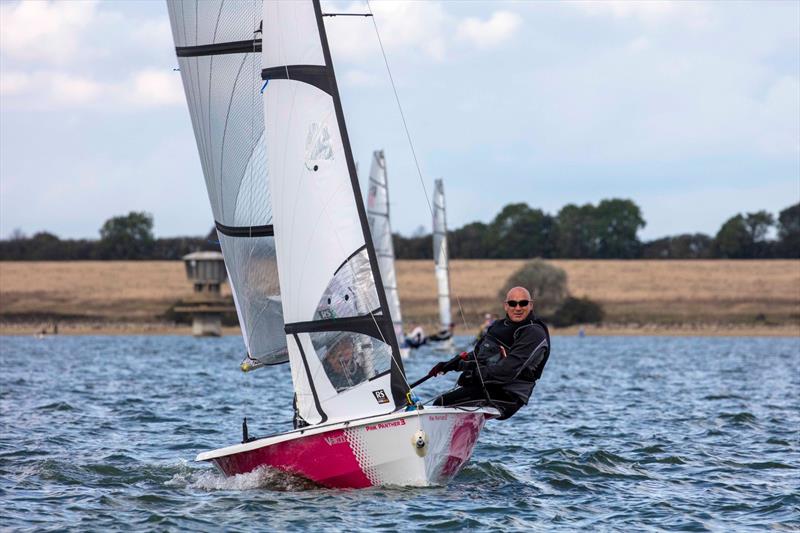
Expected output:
(218, 45)
(381, 229)
(342, 346)
(440, 255)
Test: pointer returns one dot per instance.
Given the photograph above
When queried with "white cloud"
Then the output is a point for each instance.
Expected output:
(407, 27)
(12, 83)
(498, 28)
(152, 88)
(48, 32)
(692, 14)
(152, 32)
(40, 91)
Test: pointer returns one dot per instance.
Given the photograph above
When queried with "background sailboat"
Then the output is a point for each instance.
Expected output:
(441, 266)
(381, 230)
(284, 192)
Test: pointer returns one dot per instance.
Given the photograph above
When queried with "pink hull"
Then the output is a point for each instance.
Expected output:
(381, 453)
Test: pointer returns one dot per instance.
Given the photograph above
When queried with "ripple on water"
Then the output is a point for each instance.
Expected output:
(613, 442)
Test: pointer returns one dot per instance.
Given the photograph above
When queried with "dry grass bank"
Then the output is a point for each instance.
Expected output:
(702, 296)
(661, 292)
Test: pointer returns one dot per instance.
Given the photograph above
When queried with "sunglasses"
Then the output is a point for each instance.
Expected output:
(521, 303)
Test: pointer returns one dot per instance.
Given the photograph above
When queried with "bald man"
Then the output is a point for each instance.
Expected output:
(505, 364)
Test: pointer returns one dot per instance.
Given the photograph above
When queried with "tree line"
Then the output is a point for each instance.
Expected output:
(122, 237)
(607, 230)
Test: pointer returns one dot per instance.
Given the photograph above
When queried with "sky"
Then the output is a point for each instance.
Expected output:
(690, 109)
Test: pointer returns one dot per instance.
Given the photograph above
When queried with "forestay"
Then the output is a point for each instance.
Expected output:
(342, 346)
(218, 45)
(440, 256)
(380, 227)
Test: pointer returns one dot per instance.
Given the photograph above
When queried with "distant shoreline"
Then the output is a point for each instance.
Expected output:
(606, 330)
(640, 297)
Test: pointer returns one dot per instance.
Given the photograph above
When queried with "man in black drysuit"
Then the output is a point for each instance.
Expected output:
(502, 369)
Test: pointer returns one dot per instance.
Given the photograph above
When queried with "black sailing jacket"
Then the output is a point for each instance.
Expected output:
(512, 355)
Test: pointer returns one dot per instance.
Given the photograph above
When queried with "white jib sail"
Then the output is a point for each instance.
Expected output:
(381, 229)
(342, 348)
(218, 45)
(440, 257)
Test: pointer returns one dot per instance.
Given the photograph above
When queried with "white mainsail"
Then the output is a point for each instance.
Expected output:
(219, 52)
(342, 346)
(440, 257)
(381, 229)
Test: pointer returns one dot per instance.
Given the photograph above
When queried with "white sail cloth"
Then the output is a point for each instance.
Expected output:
(340, 350)
(221, 82)
(381, 229)
(440, 255)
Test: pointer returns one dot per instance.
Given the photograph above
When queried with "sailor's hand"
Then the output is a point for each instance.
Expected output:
(438, 369)
(467, 365)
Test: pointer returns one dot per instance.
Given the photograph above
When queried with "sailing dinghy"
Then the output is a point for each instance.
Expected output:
(282, 183)
(381, 230)
(441, 265)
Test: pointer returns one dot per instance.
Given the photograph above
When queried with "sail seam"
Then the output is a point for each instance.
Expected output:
(315, 75)
(233, 47)
(365, 324)
(349, 257)
(246, 231)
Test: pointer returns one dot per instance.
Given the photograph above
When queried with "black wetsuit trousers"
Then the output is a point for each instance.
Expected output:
(474, 396)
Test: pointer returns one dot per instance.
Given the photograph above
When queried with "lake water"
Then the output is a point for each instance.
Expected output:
(99, 433)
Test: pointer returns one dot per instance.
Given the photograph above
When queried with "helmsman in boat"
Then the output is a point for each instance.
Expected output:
(505, 363)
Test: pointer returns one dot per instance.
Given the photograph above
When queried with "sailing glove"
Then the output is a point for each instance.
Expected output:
(443, 367)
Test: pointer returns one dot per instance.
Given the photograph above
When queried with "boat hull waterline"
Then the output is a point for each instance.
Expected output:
(409, 448)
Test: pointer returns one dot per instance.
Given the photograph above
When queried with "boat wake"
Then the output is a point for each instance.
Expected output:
(260, 478)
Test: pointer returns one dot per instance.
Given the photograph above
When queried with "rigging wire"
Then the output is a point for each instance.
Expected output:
(410, 142)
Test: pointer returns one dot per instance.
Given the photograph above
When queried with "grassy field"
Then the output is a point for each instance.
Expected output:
(633, 293)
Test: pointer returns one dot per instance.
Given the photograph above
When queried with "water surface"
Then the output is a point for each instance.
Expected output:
(696, 434)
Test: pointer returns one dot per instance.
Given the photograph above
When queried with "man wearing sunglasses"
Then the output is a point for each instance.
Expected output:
(502, 369)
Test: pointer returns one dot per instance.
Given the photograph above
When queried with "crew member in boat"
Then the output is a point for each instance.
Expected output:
(488, 320)
(416, 338)
(341, 364)
(444, 334)
(505, 364)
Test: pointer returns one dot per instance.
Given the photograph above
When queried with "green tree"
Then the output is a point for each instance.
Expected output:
(547, 284)
(733, 240)
(576, 235)
(616, 223)
(469, 242)
(789, 232)
(521, 232)
(686, 246)
(127, 237)
(758, 225)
